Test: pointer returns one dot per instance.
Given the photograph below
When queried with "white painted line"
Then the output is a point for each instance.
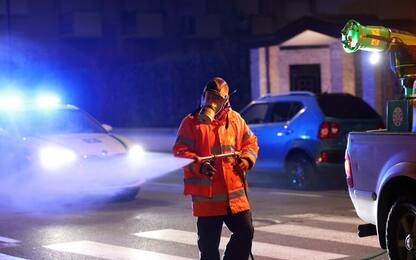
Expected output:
(327, 218)
(8, 240)
(258, 249)
(106, 251)
(297, 194)
(9, 257)
(320, 233)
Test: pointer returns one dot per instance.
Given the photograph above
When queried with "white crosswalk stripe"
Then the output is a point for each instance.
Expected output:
(8, 240)
(9, 257)
(106, 251)
(259, 248)
(299, 230)
(333, 219)
(318, 233)
(306, 195)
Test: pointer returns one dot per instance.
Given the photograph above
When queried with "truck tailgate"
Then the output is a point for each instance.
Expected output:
(373, 152)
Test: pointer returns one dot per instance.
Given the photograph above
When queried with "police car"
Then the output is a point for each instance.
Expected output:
(56, 149)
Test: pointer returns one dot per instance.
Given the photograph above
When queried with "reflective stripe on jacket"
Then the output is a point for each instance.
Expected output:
(212, 197)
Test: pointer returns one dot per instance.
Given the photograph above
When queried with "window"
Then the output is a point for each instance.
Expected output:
(306, 77)
(345, 106)
(284, 111)
(81, 24)
(16, 7)
(294, 109)
(128, 22)
(255, 114)
(65, 23)
(213, 6)
(188, 25)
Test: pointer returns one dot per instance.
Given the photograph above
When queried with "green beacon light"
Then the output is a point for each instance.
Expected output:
(355, 36)
(400, 45)
(401, 48)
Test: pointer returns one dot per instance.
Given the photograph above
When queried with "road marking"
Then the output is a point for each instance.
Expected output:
(327, 218)
(8, 240)
(296, 194)
(259, 248)
(106, 251)
(319, 233)
(9, 257)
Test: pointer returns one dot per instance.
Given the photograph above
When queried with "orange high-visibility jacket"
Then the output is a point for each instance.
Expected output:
(212, 197)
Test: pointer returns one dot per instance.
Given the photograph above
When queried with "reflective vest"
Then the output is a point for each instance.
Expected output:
(227, 133)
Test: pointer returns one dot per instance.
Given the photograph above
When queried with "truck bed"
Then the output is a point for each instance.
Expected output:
(372, 155)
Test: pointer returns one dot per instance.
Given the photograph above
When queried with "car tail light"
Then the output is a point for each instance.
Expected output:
(324, 157)
(348, 170)
(331, 157)
(328, 130)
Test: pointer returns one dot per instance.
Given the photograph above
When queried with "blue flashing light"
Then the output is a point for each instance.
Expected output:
(47, 101)
(10, 102)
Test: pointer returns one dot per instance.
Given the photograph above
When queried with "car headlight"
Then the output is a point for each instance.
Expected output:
(136, 153)
(55, 157)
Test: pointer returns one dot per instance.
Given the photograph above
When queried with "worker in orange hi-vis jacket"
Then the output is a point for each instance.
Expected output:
(218, 188)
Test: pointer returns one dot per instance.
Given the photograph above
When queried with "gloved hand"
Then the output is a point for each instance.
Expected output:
(207, 169)
(242, 165)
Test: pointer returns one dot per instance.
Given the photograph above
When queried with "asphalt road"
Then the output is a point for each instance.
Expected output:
(158, 225)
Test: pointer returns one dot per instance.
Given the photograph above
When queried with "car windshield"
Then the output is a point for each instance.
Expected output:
(49, 122)
(345, 106)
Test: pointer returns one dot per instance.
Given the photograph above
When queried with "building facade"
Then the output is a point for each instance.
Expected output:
(307, 55)
(120, 59)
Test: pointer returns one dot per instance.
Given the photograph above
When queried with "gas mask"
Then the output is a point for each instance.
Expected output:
(214, 99)
(212, 104)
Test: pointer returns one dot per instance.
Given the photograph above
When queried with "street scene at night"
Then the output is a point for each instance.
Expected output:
(207, 129)
(158, 225)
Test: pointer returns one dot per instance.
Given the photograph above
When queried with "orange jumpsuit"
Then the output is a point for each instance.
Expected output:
(227, 133)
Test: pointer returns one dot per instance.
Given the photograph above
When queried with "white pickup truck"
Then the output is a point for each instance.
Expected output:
(381, 175)
(380, 165)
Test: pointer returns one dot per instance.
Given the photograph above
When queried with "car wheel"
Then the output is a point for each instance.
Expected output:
(401, 230)
(128, 194)
(299, 171)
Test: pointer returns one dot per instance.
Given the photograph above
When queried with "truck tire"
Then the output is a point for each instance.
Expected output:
(300, 171)
(401, 230)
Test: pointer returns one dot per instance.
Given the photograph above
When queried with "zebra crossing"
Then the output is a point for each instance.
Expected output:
(106, 251)
(271, 242)
(6, 242)
(258, 249)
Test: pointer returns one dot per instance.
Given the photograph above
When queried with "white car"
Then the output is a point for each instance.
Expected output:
(59, 150)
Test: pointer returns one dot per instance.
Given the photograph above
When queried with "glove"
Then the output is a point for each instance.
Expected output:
(242, 165)
(207, 169)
